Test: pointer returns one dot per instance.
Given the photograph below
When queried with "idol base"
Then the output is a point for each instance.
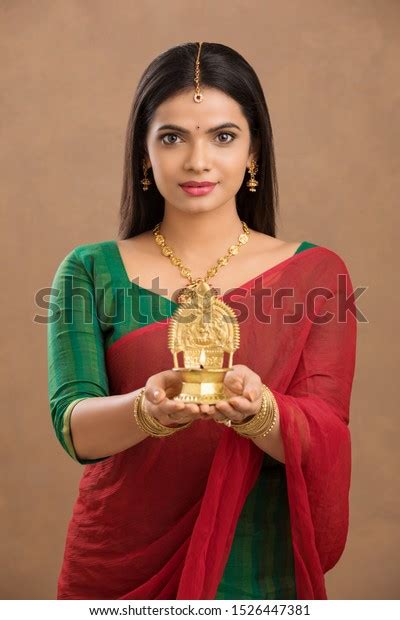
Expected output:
(202, 386)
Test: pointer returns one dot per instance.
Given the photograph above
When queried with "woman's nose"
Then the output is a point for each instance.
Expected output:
(198, 158)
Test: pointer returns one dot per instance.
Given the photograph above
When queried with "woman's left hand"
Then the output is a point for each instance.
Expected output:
(244, 391)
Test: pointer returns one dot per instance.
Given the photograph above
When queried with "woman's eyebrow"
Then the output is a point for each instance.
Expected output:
(211, 130)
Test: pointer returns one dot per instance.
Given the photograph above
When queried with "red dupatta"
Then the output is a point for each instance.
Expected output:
(162, 514)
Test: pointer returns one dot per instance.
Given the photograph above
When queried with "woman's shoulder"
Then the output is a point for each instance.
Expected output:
(96, 248)
(320, 262)
(85, 259)
(315, 264)
(326, 264)
(87, 251)
(320, 252)
(327, 254)
(304, 245)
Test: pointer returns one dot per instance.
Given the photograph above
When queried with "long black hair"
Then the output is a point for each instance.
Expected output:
(172, 72)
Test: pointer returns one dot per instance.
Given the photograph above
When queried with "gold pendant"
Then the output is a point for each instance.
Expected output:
(189, 292)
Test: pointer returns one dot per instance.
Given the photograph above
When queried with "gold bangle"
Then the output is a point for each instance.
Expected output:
(263, 421)
(149, 424)
(144, 422)
(256, 420)
(270, 420)
(155, 423)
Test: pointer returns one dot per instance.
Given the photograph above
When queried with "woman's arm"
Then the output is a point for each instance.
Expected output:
(89, 423)
(104, 425)
(272, 443)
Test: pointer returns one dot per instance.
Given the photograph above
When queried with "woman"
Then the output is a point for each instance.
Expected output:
(204, 510)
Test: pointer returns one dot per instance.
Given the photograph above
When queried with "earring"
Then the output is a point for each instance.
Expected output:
(252, 183)
(145, 181)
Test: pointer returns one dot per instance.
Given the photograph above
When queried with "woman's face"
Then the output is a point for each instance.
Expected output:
(194, 153)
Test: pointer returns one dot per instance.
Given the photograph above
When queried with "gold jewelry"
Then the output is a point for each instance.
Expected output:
(148, 423)
(188, 292)
(198, 97)
(145, 181)
(252, 183)
(202, 329)
(263, 421)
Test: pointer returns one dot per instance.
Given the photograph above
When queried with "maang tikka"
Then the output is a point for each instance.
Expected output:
(252, 183)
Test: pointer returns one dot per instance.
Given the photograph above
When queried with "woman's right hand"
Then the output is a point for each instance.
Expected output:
(161, 405)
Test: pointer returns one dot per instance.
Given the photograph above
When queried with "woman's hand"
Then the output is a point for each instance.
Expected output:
(242, 385)
(244, 390)
(158, 400)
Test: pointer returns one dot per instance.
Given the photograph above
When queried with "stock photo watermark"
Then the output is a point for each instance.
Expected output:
(117, 305)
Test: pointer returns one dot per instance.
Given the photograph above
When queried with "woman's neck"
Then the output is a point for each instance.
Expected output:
(192, 236)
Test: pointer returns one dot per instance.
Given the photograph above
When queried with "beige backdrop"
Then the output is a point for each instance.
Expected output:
(68, 71)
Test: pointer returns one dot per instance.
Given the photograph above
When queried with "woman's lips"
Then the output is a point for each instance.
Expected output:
(197, 191)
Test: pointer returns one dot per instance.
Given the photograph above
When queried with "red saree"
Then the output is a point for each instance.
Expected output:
(169, 507)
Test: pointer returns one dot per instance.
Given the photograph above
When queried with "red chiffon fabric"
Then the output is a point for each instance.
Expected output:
(160, 517)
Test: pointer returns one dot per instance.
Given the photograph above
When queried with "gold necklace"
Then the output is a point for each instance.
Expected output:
(186, 293)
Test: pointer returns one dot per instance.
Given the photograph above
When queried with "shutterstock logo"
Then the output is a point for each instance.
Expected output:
(287, 305)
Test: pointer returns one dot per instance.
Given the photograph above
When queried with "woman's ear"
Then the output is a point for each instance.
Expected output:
(146, 157)
(147, 160)
(252, 157)
(254, 151)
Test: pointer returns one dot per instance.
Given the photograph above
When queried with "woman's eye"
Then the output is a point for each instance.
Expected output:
(227, 134)
(167, 135)
(173, 135)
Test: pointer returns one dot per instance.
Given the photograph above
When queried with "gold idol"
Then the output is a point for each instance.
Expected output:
(203, 330)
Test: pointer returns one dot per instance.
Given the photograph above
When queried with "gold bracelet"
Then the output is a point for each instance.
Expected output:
(256, 419)
(149, 424)
(266, 425)
(155, 423)
(263, 421)
(270, 417)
